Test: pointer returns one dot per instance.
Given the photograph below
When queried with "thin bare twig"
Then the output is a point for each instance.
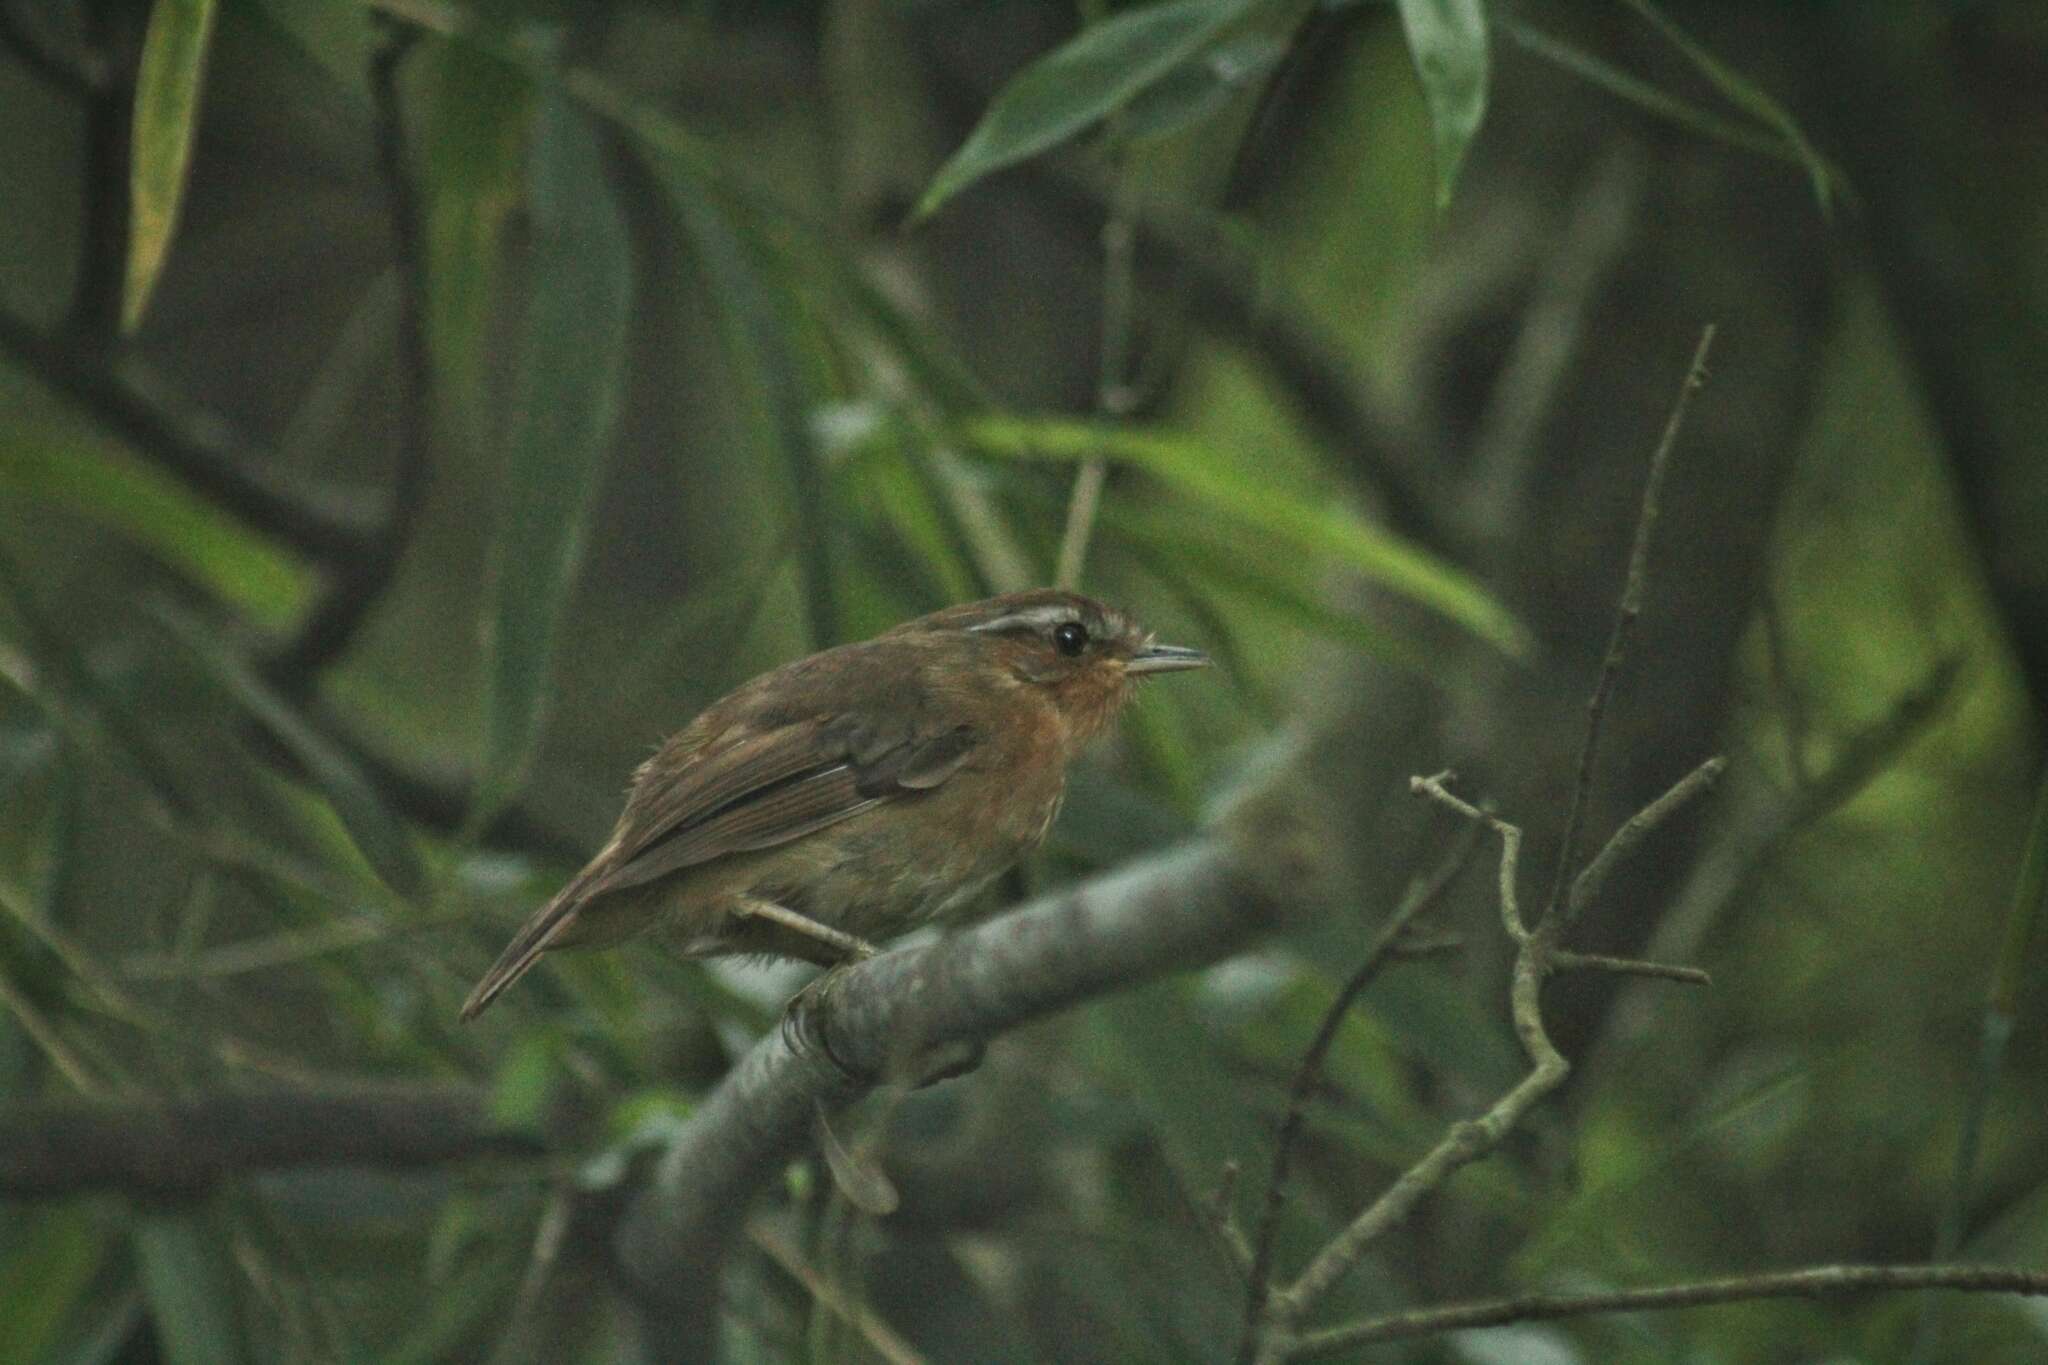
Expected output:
(1818, 1282)
(1422, 895)
(879, 1335)
(1436, 789)
(1587, 887)
(1624, 625)
(1274, 1336)
(1113, 396)
(1536, 957)
(1629, 966)
(549, 1235)
(1221, 1218)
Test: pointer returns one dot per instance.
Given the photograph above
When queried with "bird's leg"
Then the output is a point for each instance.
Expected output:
(851, 948)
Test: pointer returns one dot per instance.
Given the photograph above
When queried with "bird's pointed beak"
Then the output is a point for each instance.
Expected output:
(1166, 659)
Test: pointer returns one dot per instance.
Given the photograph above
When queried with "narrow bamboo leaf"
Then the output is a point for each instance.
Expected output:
(565, 400)
(1078, 84)
(772, 391)
(920, 519)
(167, 88)
(1283, 588)
(1199, 87)
(1747, 96)
(87, 713)
(479, 117)
(379, 836)
(1643, 95)
(63, 471)
(1447, 40)
(190, 1288)
(361, 349)
(49, 1265)
(1203, 474)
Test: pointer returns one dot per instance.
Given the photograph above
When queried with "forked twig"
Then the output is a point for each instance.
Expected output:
(1422, 895)
(1624, 623)
(1273, 1319)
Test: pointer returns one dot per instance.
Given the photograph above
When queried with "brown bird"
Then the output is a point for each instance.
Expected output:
(857, 793)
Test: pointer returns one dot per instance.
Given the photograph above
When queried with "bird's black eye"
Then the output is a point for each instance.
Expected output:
(1070, 638)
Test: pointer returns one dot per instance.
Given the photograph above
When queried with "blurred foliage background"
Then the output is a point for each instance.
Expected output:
(410, 412)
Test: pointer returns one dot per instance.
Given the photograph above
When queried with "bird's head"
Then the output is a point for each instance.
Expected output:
(1082, 655)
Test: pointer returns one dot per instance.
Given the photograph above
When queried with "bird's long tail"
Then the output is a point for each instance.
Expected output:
(543, 930)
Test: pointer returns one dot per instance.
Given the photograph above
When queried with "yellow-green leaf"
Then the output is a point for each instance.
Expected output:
(167, 88)
(1447, 40)
(1203, 474)
(377, 833)
(479, 116)
(1078, 84)
(564, 404)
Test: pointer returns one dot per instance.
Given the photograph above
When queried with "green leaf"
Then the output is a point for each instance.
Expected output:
(1745, 95)
(479, 117)
(1645, 96)
(167, 86)
(1200, 86)
(1283, 588)
(90, 715)
(190, 1287)
(1078, 84)
(79, 475)
(1447, 39)
(375, 832)
(564, 404)
(774, 398)
(51, 1258)
(1204, 475)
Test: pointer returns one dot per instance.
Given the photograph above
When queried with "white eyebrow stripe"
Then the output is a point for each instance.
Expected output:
(1033, 618)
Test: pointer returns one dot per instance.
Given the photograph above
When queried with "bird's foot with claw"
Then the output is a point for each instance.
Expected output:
(802, 1017)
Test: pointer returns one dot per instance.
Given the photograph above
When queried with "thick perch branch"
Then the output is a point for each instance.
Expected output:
(167, 1147)
(1182, 908)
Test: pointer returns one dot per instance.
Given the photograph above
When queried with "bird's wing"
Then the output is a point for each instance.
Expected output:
(770, 788)
(751, 790)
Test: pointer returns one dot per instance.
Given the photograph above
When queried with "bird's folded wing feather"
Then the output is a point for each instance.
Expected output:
(754, 790)
(769, 788)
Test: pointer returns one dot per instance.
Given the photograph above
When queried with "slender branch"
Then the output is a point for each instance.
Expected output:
(360, 580)
(1629, 966)
(178, 1147)
(1436, 789)
(1463, 1142)
(1589, 883)
(1113, 396)
(1191, 905)
(880, 1337)
(1220, 1216)
(1624, 625)
(1819, 1282)
(1276, 1337)
(1421, 897)
(196, 447)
